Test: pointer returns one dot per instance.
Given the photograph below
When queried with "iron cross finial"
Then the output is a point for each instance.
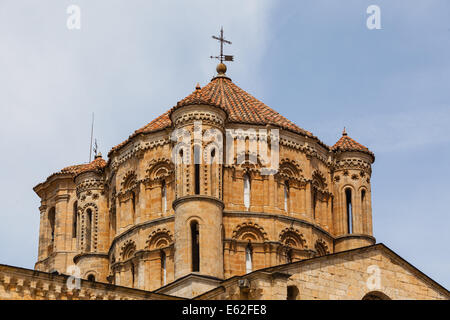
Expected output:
(222, 40)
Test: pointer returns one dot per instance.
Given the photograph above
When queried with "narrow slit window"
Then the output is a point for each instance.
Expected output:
(113, 219)
(197, 169)
(164, 196)
(314, 203)
(248, 259)
(133, 204)
(132, 275)
(51, 220)
(246, 191)
(348, 200)
(163, 268)
(212, 173)
(88, 229)
(286, 196)
(75, 218)
(363, 200)
(289, 256)
(195, 247)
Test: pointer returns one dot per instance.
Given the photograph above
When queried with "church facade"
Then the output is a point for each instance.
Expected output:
(220, 197)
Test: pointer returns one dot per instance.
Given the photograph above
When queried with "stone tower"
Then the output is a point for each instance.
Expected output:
(92, 222)
(198, 131)
(351, 183)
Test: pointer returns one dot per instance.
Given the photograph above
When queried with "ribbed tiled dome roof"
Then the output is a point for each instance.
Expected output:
(240, 106)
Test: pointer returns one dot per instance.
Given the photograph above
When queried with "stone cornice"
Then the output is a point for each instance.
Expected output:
(197, 197)
(139, 145)
(62, 197)
(44, 285)
(90, 184)
(355, 236)
(90, 255)
(56, 176)
(209, 114)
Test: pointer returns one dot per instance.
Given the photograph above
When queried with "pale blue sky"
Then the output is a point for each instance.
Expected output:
(314, 61)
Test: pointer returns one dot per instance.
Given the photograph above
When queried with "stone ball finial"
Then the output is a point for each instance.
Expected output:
(221, 68)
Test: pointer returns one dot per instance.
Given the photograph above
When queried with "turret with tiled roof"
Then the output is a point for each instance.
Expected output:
(345, 143)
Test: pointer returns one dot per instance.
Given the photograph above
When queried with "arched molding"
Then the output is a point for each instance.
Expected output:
(159, 238)
(289, 169)
(319, 181)
(128, 250)
(129, 181)
(194, 218)
(91, 272)
(249, 231)
(213, 139)
(160, 169)
(348, 186)
(293, 238)
(361, 188)
(321, 247)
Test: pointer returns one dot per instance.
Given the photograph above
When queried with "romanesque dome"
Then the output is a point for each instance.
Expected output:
(240, 106)
(152, 215)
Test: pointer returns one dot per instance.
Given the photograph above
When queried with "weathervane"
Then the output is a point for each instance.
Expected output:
(222, 40)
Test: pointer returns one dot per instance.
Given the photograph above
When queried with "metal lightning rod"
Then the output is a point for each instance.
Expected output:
(92, 135)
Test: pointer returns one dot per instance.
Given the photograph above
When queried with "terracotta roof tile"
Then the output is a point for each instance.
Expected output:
(345, 143)
(240, 106)
(96, 165)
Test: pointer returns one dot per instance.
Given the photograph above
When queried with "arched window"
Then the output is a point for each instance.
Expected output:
(349, 209)
(364, 209)
(292, 293)
(132, 275)
(376, 295)
(197, 169)
(113, 219)
(75, 218)
(180, 179)
(133, 203)
(88, 229)
(163, 268)
(164, 196)
(195, 246)
(248, 259)
(286, 196)
(314, 203)
(363, 200)
(212, 172)
(181, 156)
(246, 191)
(91, 278)
(51, 220)
(289, 256)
